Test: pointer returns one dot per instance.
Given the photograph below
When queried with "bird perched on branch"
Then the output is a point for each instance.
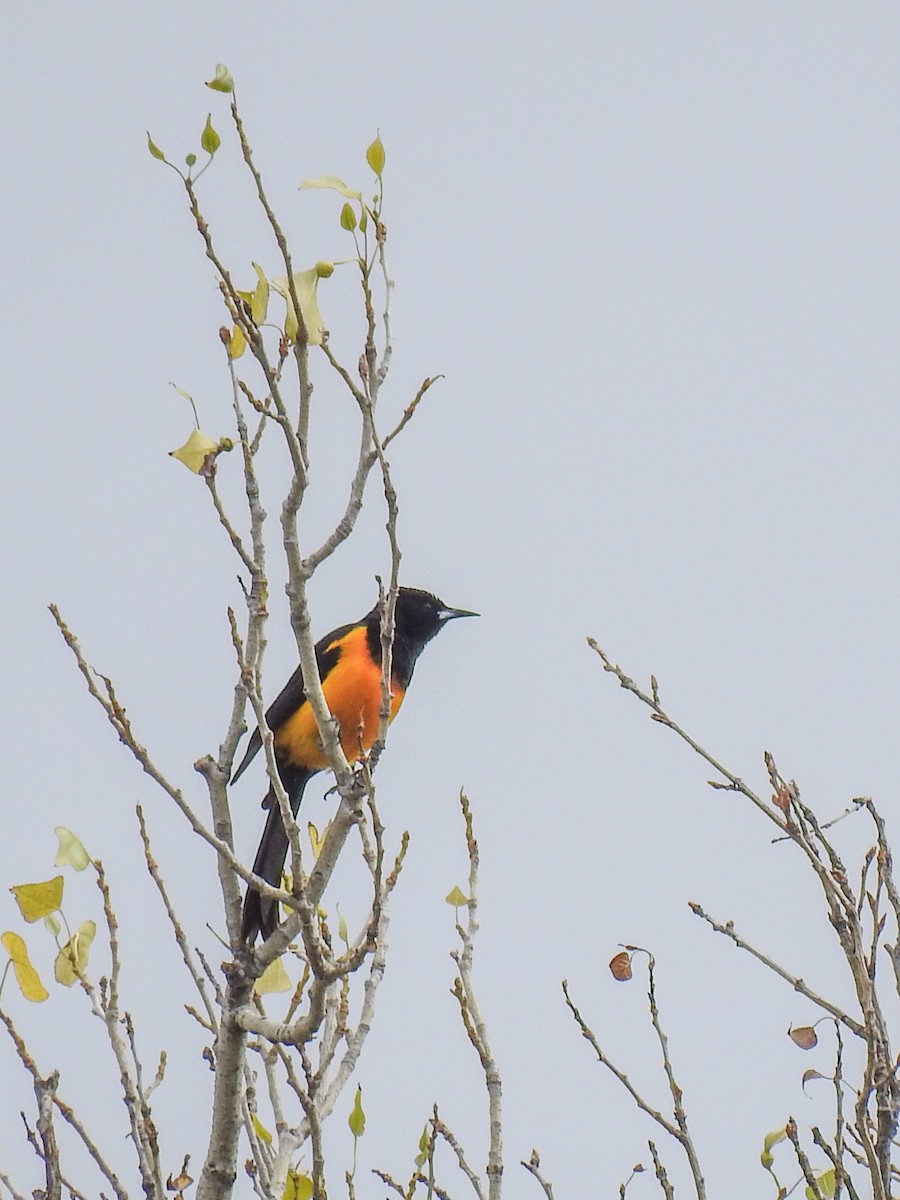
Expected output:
(349, 661)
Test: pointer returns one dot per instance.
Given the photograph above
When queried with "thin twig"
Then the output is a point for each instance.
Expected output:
(796, 983)
(464, 991)
(533, 1167)
(443, 1131)
(626, 1083)
(674, 1088)
(661, 1175)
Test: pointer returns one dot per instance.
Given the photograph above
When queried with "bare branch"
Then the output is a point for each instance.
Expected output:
(464, 991)
(193, 970)
(805, 1167)
(796, 983)
(659, 715)
(674, 1088)
(441, 1130)
(661, 1175)
(65, 1110)
(626, 1083)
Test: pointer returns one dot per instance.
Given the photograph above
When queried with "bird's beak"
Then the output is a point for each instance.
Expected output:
(450, 614)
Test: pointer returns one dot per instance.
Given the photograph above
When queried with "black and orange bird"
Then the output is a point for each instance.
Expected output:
(349, 661)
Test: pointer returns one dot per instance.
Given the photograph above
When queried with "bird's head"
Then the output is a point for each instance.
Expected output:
(419, 615)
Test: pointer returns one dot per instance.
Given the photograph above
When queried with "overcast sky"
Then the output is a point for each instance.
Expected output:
(653, 249)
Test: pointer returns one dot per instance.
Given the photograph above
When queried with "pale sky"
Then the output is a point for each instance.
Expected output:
(654, 251)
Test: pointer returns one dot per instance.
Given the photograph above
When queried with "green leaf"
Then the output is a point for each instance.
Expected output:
(357, 1118)
(363, 221)
(71, 852)
(154, 149)
(424, 1145)
(457, 898)
(375, 156)
(190, 159)
(222, 82)
(348, 218)
(333, 183)
(770, 1140)
(209, 139)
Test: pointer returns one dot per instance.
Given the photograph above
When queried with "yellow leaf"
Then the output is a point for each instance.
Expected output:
(297, 1187)
(826, 1184)
(36, 900)
(305, 284)
(26, 976)
(332, 182)
(457, 898)
(194, 451)
(314, 840)
(187, 396)
(238, 343)
(71, 852)
(260, 1130)
(259, 301)
(273, 979)
(72, 959)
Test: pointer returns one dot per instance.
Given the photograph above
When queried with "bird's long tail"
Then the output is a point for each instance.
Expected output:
(260, 914)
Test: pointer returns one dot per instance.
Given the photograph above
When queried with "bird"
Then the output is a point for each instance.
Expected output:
(349, 661)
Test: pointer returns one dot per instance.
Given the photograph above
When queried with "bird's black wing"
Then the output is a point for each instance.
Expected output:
(292, 695)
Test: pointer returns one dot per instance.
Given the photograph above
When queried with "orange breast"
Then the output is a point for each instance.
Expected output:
(353, 691)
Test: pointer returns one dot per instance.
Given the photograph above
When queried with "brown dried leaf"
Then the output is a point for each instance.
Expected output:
(620, 966)
(782, 798)
(811, 1074)
(804, 1036)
